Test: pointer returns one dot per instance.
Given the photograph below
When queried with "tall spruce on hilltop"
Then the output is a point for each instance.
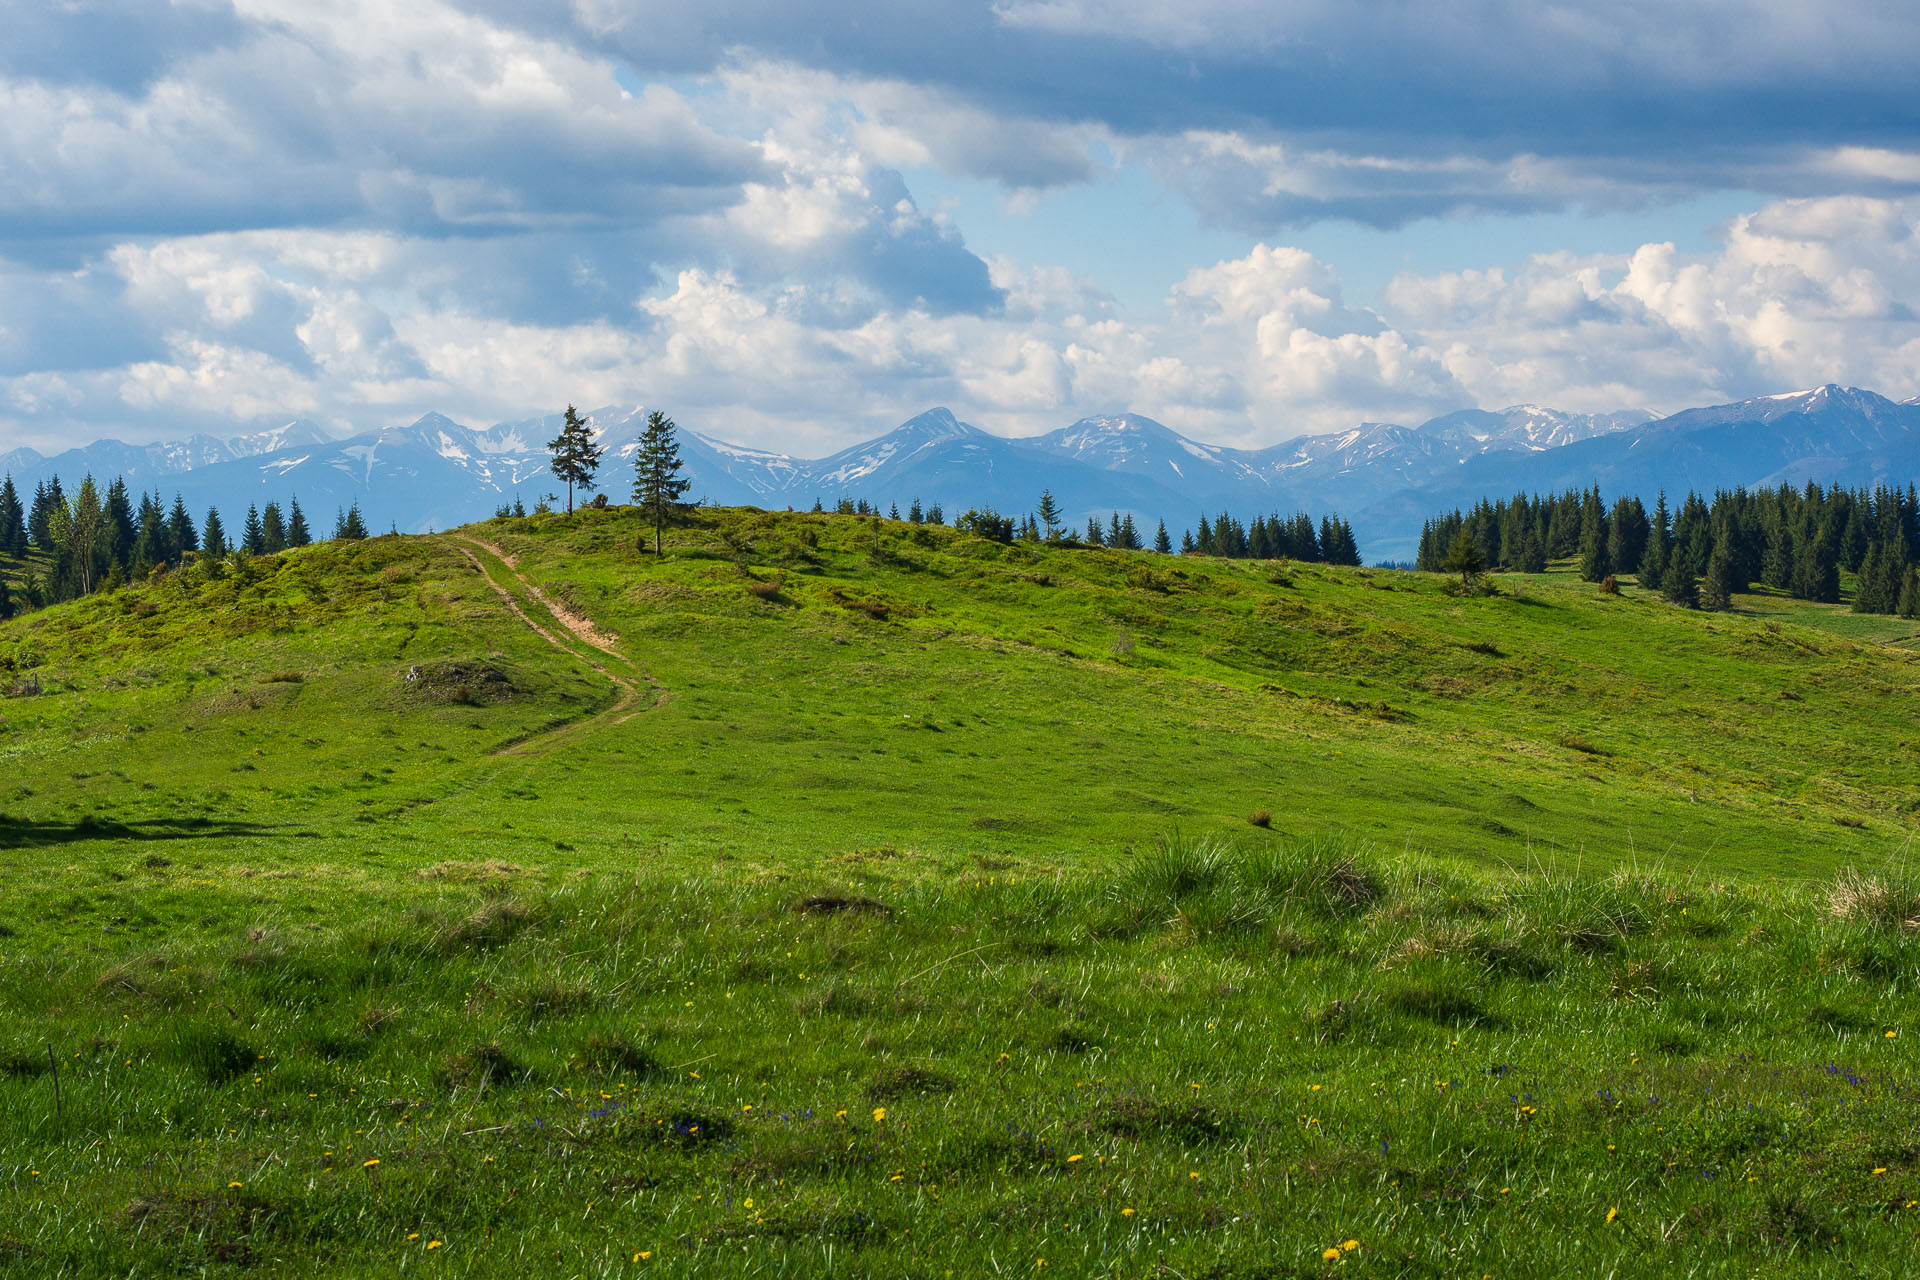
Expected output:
(658, 484)
(575, 456)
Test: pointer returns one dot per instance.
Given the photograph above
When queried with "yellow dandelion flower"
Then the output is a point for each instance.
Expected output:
(1612, 1214)
(879, 1115)
(1331, 1254)
(368, 1164)
(1893, 1035)
(749, 1202)
(414, 1236)
(433, 1244)
(1075, 1159)
(1194, 1174)
(1348, 1246)
(839, 1115)
(1126, 1213)
(1316, 1089)
(1879, 1171)
(232, 1185)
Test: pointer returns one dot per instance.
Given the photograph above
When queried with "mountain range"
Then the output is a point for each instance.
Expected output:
(1384, 477)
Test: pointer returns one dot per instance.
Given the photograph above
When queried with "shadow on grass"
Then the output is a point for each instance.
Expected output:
(23, 833)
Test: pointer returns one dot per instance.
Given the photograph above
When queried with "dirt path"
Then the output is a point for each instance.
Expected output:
(582, 627)
(632, 693)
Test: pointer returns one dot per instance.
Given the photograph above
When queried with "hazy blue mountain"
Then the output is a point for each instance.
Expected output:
(1387, 478)
(1830, 434)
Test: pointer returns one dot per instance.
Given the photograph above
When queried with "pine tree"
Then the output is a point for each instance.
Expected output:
(935, 515)
(1532, 557)
(1049, 512)
(349, 526)
(181, 535)
(273, 530)
(1596, 562)
(658, 485)
(1816, 570)
(1094, 536)
(1716, 592)
(575, 456)
(915, 515)
(298, 535)
(252, 537)
(1161, 542)
(13, 526)
(893, 511)
(213, 536)
(1677, 584)
(121, 530)
(1653, 561)
(1464, 558)
(46, 496)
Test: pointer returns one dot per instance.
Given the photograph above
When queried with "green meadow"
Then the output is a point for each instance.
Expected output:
(845, 897)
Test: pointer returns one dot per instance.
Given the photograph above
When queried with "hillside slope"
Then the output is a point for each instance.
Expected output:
(786, 690)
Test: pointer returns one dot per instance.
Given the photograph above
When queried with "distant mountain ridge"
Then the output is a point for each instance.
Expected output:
(1384, 477)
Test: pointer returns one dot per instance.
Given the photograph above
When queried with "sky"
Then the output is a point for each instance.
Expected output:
(793, 224)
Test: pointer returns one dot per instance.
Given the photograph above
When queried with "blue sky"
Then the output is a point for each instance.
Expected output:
(795, 224)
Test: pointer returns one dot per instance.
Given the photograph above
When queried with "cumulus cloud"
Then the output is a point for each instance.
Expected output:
(239, 210)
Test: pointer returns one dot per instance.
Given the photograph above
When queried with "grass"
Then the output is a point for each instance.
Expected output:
(1563, 905)
(1219, 1060)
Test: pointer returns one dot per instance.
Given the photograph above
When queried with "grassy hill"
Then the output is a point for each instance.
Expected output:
(841, 897)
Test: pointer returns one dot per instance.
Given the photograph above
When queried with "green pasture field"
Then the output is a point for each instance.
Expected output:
(844, 897)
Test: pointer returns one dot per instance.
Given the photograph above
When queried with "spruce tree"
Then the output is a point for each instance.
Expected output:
(915, 513)
(1465, 559)
(121, 530)
(1094, 536)
(1049, 512)
(658, 485)
(252, 537)
(13, 526)
(273, 529)
(575, 456)
(1161, 541)
(298, 535)
(181, 535)
(1678, 584)
(1532, 557)
(1716, 591)
(1653, 561)
(935, 515)
(1596, 562)
(213, 536)
(348, 525)
(46, 496)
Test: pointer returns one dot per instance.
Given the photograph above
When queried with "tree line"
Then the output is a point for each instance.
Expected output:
(71, 545)
(1792, 540)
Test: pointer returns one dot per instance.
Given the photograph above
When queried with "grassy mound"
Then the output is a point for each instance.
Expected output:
(846, 897)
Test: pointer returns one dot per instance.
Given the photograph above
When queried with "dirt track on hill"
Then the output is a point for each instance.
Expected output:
(632, 693)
